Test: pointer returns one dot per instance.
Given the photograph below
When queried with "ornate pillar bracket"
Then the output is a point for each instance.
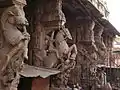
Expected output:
(98, 31)
(86, 24)
(53, 16)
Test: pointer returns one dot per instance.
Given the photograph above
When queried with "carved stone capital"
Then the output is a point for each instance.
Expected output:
(85, 21)
(98, 30)
(86, 28)
(53, 17)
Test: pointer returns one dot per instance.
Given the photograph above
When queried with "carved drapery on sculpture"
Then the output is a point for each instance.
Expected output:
(13, 49)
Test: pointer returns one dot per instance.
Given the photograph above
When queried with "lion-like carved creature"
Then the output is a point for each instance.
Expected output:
(14, 35)
(13, 45)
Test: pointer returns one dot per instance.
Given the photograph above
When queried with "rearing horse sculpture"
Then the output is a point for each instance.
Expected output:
(61, 45)
(13, 35)
(60, 52)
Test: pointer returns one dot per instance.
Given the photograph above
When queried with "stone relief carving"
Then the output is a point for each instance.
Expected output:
(50, 18)
(52, 53)
(53, 39)
(63, 55)
(59, 46)
(14, 47)
(87, 53)
(49, 44)
(66, 53)
(98, 30)
(59, 54)
(53, 16)
(38, 45)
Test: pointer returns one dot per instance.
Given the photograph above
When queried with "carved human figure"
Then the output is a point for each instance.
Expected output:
(15, 39)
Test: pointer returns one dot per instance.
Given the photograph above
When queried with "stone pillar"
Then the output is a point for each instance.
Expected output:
(87, 56)
(46, 48)
(48, 16)
(108, 40)
(98, 31)
(14, 47)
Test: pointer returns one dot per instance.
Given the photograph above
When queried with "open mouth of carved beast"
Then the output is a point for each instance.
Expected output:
(20, 27)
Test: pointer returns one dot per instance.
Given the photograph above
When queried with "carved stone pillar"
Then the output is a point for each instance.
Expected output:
(48, 17)
(98, 31)
(87, 26)
(108, 40)
(53, 17)
(48, 45)
(13, 50)
(87, 56)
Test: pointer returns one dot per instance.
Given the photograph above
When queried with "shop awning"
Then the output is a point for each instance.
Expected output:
(31, 71)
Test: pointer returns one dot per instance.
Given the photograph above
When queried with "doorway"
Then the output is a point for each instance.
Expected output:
(25, 83)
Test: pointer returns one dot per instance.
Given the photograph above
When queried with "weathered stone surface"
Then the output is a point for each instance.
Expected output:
(50, 48)
(67, 35)
(13, 50)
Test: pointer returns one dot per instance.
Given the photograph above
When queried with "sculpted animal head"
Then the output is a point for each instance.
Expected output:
(66, 33)
(14, 15)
